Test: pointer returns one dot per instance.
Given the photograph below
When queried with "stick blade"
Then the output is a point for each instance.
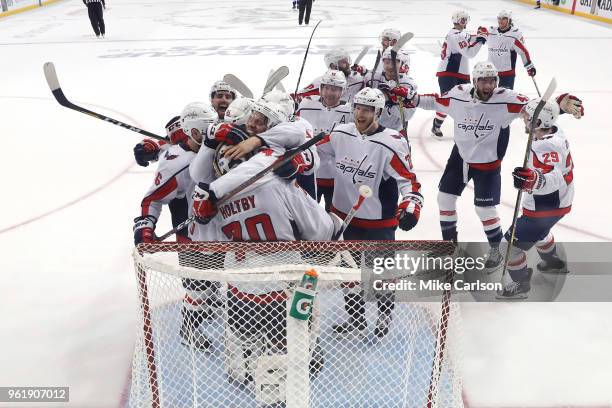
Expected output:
(402, 41)
(51, 76)
(238, 85)
(275, 78)
(362, 54)
(550, 90)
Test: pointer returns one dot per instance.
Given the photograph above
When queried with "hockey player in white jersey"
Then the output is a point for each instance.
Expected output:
(364, 152)
(385, 81)
(388, 38)
(458, 48)
(173, 186)
(221, 95)
(504, 43)
(338, 59)
(548, 183)
(482, 113)
(271, 209)
(324, 112)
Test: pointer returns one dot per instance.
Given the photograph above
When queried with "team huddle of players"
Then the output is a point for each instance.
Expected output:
(213, 148)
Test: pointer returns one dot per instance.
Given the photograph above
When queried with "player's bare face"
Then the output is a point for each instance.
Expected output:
(330, 95)
(195, 140)
(503, 23)
(220, 101)
(485, 88)
(388, 67)
(364, 117)
(257, 124)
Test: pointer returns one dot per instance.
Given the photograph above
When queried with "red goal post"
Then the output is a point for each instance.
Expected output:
(258, 359)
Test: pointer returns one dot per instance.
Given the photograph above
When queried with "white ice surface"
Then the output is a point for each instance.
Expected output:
(68, 299)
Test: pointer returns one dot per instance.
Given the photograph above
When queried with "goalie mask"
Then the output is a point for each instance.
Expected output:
(222, 164)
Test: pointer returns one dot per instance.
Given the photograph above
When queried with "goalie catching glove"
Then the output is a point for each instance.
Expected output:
(409, 210)
(144, 230)
(204, 203)
(301, 163)
(571, 104)
(527, 179)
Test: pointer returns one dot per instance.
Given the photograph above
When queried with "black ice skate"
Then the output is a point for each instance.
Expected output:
(554, 265)
(436, 132)
(494, 260)
(382, 324)
(516, 290)
(351, 326)
(192, 337)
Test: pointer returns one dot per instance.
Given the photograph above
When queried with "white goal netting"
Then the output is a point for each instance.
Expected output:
(217, 330)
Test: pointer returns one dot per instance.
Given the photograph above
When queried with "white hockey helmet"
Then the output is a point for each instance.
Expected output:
(370, 97)
(505, 14)
(334, 77)
(274, 112)
(460, 15)
(335, 55)
(221, 86)
(238, 111)
(197, 115)
(222, 164)
(403, 56)
(281, 98)
(547, 117)
(390, 33)
(483, 69)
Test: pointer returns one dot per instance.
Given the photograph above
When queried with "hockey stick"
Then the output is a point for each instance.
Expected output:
(362, 54)
(400, 43)
(238, 85)
(364, 192)
(56, 89)
(279, 162)
(275, 78)
(532, 127)
(297, 86)
(278, 86)
(536, 86)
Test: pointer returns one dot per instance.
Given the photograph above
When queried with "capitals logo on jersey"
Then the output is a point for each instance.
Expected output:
(357, 168)
(476, 126)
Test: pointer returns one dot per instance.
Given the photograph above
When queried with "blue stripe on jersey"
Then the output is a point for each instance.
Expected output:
(454, 63)
(502, 142)
(513, 59)
(388, 195)
(547, 201)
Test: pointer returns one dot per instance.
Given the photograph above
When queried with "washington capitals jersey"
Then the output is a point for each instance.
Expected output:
(381, 161)
(504, 48)
(354, 83)
(324, 119)
(391, 117)
(457, 49)
(551, 155)
(482, 129)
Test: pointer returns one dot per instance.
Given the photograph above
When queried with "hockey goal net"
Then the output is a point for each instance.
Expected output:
(217, 329)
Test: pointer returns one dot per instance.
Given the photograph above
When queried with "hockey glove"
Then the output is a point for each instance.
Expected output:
(175, 132)
(571, 104)
(527, 179)
(531, 71)
(147, 151)
(230, 134)
(301, 163)
(482, 31)
(204, 203)
(144, 230)
(409, 210)
(359, 69)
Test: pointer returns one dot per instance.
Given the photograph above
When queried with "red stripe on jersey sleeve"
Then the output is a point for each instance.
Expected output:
(168, 187)
(401, 169)
(522, 48)
(546, 168)
(514, 107)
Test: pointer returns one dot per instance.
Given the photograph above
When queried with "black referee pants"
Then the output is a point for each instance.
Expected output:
(96, 17)
(305, 7)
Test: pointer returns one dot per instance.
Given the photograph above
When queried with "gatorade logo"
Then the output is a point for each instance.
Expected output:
(303, 306)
